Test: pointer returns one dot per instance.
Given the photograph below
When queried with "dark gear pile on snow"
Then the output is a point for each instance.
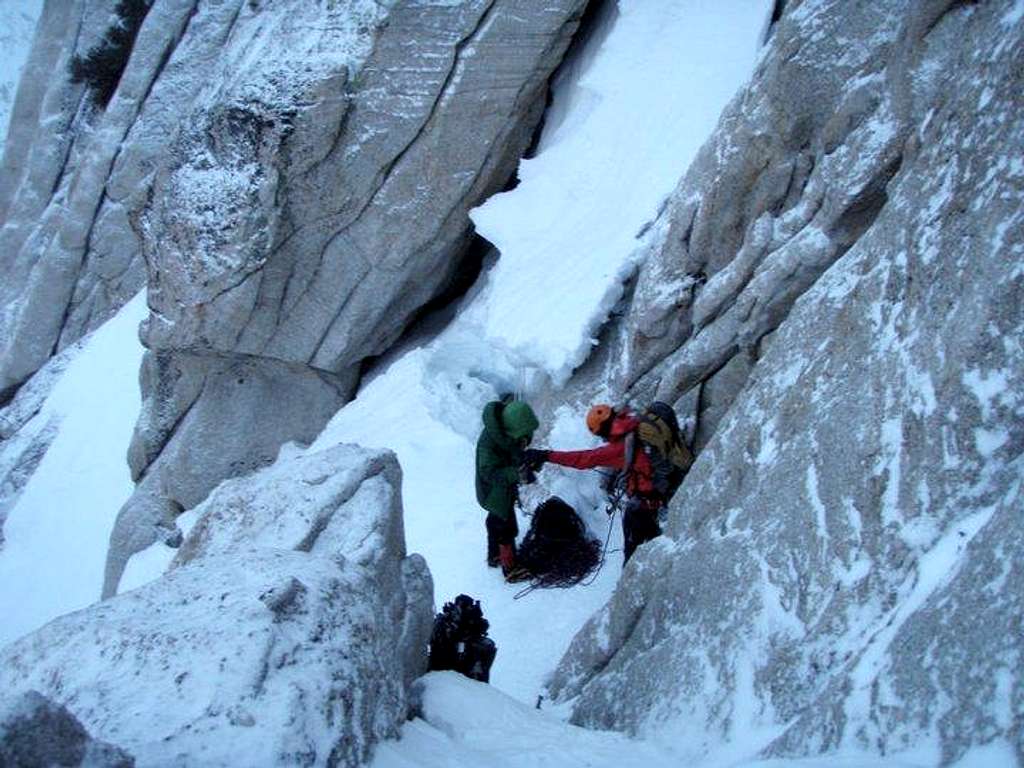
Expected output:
(556, 549)
(660, 438)
(459, 640)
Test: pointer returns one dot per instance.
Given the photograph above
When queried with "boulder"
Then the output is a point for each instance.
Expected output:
(36, 732)
(842, 567)
(287, 630)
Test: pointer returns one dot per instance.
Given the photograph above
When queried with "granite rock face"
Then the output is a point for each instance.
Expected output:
(307, 223)
(290, 180)
(842, 566)
(795, 174)
(74, 173)
(291, 626)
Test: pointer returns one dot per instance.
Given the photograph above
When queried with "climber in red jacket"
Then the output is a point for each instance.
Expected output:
(620, 452)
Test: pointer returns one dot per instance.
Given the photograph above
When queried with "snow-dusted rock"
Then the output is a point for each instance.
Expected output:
(303, 194)
(307, 218)
(208, 418)
(843, 565)
(36, 732)
(74, 173)
(17, 25)
(795, 174)
(287, 632)
(22, 443)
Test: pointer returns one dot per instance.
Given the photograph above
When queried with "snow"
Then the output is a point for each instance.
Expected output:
(56, 534)
(466, 723)
(620, 140)
(17, 25)
(1014, 15)
(430, 417)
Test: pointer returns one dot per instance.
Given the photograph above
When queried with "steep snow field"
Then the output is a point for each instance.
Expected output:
(628, 117)
(466, 724)
(17, 24)
(56, 532)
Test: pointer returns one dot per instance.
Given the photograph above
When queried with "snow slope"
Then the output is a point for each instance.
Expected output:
(17, 24)
(649, 92)
(466, 724)
(618, 140)
(56, 533)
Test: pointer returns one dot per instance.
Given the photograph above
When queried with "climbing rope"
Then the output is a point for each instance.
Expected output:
(559, 551)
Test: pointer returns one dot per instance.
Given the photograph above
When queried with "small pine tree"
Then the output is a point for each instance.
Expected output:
(101, 68)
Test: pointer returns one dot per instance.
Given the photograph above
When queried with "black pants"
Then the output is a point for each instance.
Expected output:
(639, 524)
(500, 531)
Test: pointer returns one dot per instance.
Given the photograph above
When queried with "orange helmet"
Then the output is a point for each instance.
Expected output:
(598, 416)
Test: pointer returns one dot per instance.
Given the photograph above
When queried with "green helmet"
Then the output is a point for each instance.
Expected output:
(519, 420)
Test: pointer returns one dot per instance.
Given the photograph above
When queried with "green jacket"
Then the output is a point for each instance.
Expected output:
(498, 455)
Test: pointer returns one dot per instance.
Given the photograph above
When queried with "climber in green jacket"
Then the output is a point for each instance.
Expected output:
(508, 429)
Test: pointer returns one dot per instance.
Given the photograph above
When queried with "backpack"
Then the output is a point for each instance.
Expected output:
(459, 641)
(658, 436)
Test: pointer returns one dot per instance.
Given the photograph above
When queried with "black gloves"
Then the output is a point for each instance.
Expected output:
(526, 474)
(534, 458)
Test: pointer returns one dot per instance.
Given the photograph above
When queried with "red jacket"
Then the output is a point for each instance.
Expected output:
(613, 454)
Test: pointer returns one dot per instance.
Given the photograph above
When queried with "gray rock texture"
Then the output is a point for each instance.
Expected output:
(842, 566)
(74, 173)
(17, 26)
(306, 202)
(289, 628)
(796, 172)
(36, 732)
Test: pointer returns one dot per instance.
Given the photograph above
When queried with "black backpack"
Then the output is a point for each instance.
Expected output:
(658, 436)
(459, 641)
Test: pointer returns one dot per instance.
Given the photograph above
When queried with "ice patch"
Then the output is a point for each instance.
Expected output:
(891, 440)
(989, 387)
(769, 450)
(811, 485)
(1014, 15)
(988, 441)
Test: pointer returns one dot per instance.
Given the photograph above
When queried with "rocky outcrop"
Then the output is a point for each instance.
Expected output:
(74, 172)
(795, 174)
(36, 732)
(24, 439)
(842, 566)
(17, 24)
(307, 210)
(288, 630)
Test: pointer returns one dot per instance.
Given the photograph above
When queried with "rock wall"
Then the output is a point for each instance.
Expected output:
(291, 180)
(842, 565)
(290, 627)
(75, 173)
